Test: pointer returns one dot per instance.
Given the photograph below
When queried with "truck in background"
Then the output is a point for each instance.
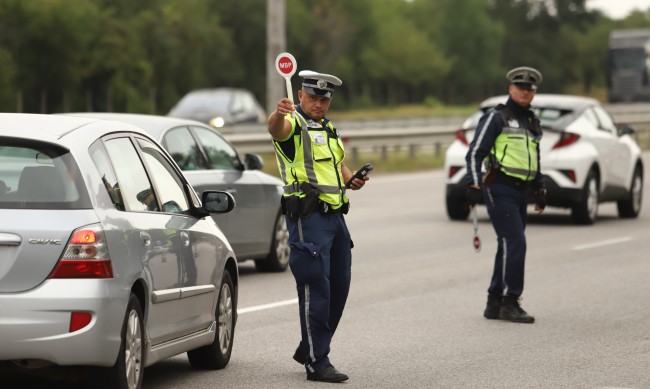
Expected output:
(628, 70)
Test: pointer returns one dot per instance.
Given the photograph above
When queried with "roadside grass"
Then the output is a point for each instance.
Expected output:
(410, 110)
(394, 162)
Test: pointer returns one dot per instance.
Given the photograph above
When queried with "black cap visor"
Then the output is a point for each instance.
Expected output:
(318, 92)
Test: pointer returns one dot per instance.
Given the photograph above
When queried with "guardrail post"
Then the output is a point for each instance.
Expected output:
(412, 150)
(437, 147)
(384, 153)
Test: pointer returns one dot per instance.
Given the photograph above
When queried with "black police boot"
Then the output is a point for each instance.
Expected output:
(327, 374)
(493, 307)
(511, 311)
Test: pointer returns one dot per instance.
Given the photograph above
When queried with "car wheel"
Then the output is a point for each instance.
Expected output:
(631, 206)
(585, 211)
(457, 208)
(127, 373)
(217, 354)
(278, 258)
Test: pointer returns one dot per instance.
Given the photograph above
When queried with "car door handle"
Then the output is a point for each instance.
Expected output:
(185, 239)
(7, 239)
(146, 238)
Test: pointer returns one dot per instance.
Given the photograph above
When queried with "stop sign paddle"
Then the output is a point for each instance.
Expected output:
(286, 65)
(476, 241)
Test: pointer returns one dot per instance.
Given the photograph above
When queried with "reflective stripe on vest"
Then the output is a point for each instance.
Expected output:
(317, 161)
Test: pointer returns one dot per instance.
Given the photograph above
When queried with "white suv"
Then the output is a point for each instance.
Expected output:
(585, 158)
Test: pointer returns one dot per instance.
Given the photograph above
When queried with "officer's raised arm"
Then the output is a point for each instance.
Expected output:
(278, 127)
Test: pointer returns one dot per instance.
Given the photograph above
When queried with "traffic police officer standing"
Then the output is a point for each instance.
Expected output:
(507, 138)
(310, 157)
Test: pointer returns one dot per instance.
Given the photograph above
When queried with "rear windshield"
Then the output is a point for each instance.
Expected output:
(38, 175)
(548, 116)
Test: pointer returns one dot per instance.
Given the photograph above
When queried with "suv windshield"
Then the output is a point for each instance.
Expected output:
(548, 116)
(38, 175)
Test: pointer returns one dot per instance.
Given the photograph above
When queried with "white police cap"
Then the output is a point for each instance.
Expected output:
(525, 75)
(319, 84)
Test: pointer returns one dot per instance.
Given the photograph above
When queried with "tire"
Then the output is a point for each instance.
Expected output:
(278, 258)
(585, 211)
(128, 371)
(457, 208)
(217, 354)
(631, 206)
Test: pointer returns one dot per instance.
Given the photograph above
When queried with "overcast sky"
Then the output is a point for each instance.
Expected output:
(618, 9)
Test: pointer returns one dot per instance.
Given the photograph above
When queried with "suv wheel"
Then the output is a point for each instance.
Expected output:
(631, 206)
(278, 258)
(217, 354)
(586, 210)
(457, 208)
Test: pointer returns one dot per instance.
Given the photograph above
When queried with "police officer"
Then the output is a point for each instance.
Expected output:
(507, 139)
(310, 157)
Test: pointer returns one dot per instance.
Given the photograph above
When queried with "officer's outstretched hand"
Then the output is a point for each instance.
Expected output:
(540, 200)
(473, 196)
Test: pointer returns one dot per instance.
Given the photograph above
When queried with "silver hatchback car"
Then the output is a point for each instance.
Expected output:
(256, 229)
(108, 258)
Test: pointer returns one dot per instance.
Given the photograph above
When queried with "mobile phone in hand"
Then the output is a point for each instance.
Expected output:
(360, 173)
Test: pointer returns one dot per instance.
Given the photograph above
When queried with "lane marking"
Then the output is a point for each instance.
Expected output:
(603, 243)
(267, 306)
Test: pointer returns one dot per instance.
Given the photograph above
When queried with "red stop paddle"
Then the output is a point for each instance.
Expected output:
(476, 241)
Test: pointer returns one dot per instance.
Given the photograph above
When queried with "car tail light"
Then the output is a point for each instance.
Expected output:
(460, 135)
(85, 256)
(453, 170)
(566, 138)
(79, 320)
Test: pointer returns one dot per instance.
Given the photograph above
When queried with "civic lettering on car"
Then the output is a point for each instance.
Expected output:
(44, 241)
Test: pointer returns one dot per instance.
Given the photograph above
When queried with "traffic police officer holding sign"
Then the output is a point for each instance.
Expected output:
(310, 157)
(507, 140)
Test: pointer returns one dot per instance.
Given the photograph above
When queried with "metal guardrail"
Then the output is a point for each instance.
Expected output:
(409, 133)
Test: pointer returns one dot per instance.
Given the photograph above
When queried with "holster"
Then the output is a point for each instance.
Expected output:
(309, 203)
(295, 207)
(492, 168)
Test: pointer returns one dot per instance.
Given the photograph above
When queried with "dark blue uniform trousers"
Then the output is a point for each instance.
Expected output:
(320, 261)
(506, 205)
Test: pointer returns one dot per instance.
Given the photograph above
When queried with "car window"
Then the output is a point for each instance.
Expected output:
(591, 117)
(169, 185)
(35, 175)
(103, 165)
(133, 182)
(183, 148)
(221, 155)
(606, 122)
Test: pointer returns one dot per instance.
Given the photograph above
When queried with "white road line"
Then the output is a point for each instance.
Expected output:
(603, 243)
(267, 306)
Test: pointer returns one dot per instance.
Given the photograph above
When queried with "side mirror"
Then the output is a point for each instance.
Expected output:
(253, 162)
(625, 130)
(215, 201)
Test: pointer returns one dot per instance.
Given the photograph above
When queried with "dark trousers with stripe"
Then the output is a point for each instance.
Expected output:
(506, 205)
(320, 261)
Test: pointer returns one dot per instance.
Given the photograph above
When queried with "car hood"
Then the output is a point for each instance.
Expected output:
(31, 243)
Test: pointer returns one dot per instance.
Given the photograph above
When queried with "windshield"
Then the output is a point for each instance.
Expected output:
(548, 116)
(627, 59)
(204, 102)
(35, 175)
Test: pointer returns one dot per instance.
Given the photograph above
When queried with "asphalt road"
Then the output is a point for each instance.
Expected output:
(414, 315)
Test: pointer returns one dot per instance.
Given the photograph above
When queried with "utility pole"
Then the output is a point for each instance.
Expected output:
(276, 43)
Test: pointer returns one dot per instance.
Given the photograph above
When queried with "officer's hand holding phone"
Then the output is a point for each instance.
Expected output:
(360, 174)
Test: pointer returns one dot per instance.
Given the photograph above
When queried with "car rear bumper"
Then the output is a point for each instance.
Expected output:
(556, 196)
(35, 325)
